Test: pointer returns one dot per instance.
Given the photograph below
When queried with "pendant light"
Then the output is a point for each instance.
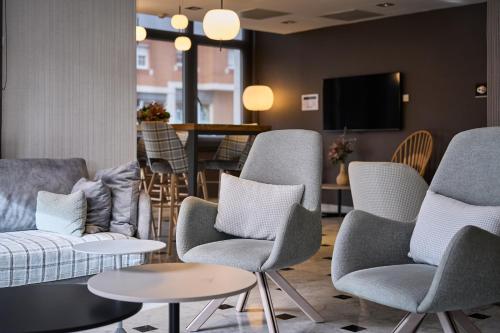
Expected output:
(221, 24)
(182, 43)
(181, 22)
(140, 33)
(258, 98)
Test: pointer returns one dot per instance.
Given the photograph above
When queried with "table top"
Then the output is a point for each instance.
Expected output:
(334, 186)
(41, 308)
(221, 128)
(171, 283)
(119, 246)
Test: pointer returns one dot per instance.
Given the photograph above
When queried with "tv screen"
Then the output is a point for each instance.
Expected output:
(368, 102)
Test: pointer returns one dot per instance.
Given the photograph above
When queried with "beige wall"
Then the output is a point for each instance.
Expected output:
(71, 81)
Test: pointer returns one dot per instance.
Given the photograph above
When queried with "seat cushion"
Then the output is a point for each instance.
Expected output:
(399, 286)
(248, 254)
(40, 256)
(440, 218)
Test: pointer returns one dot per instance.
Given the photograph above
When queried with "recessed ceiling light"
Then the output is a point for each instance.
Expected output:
(385, 4)
(289, 22)
(193, 8)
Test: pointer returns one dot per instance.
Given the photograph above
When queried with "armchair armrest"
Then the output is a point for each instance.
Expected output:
(297, 240)
(195, 225)
(366, 241)
(468, 275)
(144, 216)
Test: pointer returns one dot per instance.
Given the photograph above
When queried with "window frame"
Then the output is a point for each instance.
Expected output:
(190, 65)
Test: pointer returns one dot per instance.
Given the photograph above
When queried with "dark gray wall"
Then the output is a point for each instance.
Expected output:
(493, 32)
(442, 55)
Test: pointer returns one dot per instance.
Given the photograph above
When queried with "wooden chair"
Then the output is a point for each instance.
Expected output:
(415, 151)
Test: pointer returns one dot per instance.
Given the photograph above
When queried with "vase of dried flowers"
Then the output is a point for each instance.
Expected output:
(153, 112)
(338, 153)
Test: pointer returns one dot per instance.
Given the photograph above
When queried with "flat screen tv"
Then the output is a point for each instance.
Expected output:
(363, 103)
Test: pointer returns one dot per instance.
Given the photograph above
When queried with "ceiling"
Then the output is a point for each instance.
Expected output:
(298, 15)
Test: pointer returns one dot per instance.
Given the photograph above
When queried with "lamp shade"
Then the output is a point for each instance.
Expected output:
(140, 33)
(179, 21)
(221, 24)
(258, 98)
(182, 43)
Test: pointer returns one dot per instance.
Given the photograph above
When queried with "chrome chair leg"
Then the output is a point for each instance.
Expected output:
(296, 297)
(242, 301)
(267, 303)
(447, 323)
(410, 323)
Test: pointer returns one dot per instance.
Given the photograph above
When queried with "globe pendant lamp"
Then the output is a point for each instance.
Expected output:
(179, 21)
(182, 43)
(221, 24)
(258, 98)
(140, 33)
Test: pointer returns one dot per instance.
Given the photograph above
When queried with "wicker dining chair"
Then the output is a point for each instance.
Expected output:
(415, 151)
(167, 160)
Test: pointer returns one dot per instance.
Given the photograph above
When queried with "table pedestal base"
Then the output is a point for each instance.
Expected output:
(173, 318)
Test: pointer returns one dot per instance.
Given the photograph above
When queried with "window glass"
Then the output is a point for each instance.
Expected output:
(219, 85)
(159, 77)
(154, 22)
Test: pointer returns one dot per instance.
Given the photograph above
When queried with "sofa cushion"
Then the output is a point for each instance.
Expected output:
(440, 218)
(36, 256)
(123, 182)
(62, 213)
(98, 198)
(22, 179)
(250, 209)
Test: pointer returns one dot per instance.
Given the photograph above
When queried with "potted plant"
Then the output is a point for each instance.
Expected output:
(338, 153)
(153, 112)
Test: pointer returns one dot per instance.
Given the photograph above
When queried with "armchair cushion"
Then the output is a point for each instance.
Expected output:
(98, 204)
(247, 254)
(399, 286)
(440, 218)
(249, 209)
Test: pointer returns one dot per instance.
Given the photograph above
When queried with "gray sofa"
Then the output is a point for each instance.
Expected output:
(30, 256)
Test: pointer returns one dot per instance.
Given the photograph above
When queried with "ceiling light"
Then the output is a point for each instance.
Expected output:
(182, 43)
(258, 98)
(140, 33)
(221, 24)
(179, 21)
(385, 4)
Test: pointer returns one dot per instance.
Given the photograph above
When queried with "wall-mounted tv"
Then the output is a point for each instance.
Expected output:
(363, 103)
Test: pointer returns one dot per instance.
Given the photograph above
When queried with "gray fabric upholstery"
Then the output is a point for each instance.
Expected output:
(144, 216)
(285, 157)
(123, 181)
(248, 254)
(469, 170)
(20, 181)
(398, 286)
(98, 198)
(391, 190)
(367, 241)
(468, 275)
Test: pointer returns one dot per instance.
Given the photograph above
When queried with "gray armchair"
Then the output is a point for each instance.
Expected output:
(277, 157)
(371, 253)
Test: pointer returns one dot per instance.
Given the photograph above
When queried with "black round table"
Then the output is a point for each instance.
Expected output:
(58, 308)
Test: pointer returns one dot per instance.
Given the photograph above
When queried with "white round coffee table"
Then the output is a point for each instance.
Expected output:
(172, 283)
(119, 248)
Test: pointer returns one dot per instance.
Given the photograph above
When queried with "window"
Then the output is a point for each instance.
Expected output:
(161, 83)
(142, 57)
(154, 22)
(219, 89)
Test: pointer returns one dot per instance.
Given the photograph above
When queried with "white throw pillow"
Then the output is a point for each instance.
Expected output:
(250, 209)
(440, 218)
(61, 213)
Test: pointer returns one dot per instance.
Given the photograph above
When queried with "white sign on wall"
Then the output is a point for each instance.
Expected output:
(310, 102)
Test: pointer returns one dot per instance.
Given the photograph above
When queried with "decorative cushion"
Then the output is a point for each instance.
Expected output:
(250, 209)
(61, 213)
(440, 218)
(123, 181)
(98, 204)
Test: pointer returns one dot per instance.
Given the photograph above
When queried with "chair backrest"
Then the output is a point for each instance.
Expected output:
(415, 151)
(162, 143)
(470, 168)
(390, 190)
(288, 157)
(231, 147)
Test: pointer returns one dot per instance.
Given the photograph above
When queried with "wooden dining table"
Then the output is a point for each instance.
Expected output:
(210, 129)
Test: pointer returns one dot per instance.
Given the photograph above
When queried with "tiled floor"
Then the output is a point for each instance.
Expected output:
(312, 278)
